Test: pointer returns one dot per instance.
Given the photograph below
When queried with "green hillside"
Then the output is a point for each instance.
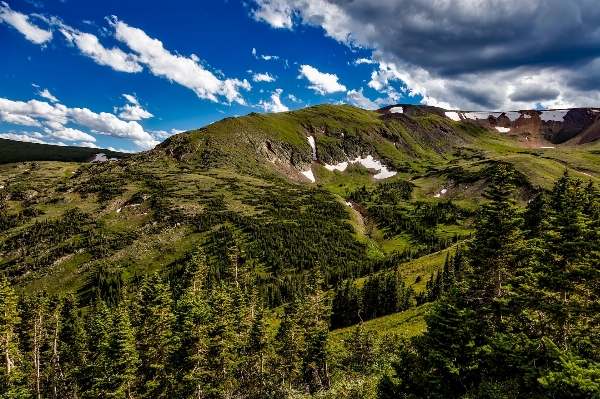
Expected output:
(17, 151)
(219, 225)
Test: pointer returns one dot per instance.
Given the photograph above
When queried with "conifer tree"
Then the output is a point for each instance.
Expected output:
(71, 347)
(155, 336)
(123, 357)
(12, 375)
(497, 240)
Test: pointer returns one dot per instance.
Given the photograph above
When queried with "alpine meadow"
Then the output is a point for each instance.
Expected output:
(411, 246)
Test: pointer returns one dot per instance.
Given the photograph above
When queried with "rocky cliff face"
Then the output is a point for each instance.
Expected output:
(538, 128)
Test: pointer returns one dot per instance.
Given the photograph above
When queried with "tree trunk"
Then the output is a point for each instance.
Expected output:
(497, 283)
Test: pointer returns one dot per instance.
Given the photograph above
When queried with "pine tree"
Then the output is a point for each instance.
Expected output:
(71, 347)
(123, 357)
(497, 240)
(155, 336)
(12, 375)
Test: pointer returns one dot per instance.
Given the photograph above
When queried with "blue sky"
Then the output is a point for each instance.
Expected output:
(127, 74)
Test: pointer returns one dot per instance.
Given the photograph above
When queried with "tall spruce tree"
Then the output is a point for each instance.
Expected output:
(12, 375)
(497, 240)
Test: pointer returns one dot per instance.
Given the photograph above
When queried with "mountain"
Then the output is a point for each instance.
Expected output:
(64, 221)
(18, 151)
(297, 253)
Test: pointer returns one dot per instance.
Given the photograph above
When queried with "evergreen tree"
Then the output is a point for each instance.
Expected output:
(12, 375)
(71, 348)
(497, 240)
(123, 357)
(155, 336)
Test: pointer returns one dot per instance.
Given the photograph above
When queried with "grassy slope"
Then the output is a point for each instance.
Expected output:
(224, 160)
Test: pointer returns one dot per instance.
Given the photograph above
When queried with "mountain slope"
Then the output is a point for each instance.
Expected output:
(231, 188)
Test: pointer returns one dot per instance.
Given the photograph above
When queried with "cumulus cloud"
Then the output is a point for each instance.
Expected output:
(69, 134)
(177, 68)
(27, 139)
(293, 98)
(465, 53)
(46, 94)
(275, 104)
(53, 117)
(87, 144)
(133, 111)
(90, 46)
(322, 83)
(358, 98)
(363, 61)
(21, 23)
(163, 134)
(263, 77)
(108, 124)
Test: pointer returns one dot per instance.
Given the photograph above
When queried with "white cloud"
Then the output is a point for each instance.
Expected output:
(277, 13)
(110, 125)
(322, 83)
(122, 150)
(46, 94)
(275, 104)
(293, 98)
(90, 46)
(264, 57)
(87, 144)
(131, 98)
(34, 85)
(54, 117)
(19, 119)
(177, 68)
(363, 61)
(27, 139)
(133, 111)
(358, 98)
(263, 77)
(21, 23)
(163, 134)
(69, 134)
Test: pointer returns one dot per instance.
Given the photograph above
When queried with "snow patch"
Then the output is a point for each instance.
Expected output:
(444, 191)
(101, 157)
(526, 116)
(340, 166)
(587, 174)
(437, 196)
(503, 129)
(349, 204)
(556, 115)
(481, 115)
(311, 142)
(1, 187)
(309, 175)
(119, 210)
(513, 116)
(547, 147)
(453, 115)
(369, 163)
(397, 110)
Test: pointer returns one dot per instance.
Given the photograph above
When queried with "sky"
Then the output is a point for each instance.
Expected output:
(127, 74)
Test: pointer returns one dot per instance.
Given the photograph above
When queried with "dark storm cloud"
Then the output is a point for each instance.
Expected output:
(461, 36)
(465, 53)
(534, 94)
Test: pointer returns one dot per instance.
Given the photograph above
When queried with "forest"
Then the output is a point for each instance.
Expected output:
(514, 309)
